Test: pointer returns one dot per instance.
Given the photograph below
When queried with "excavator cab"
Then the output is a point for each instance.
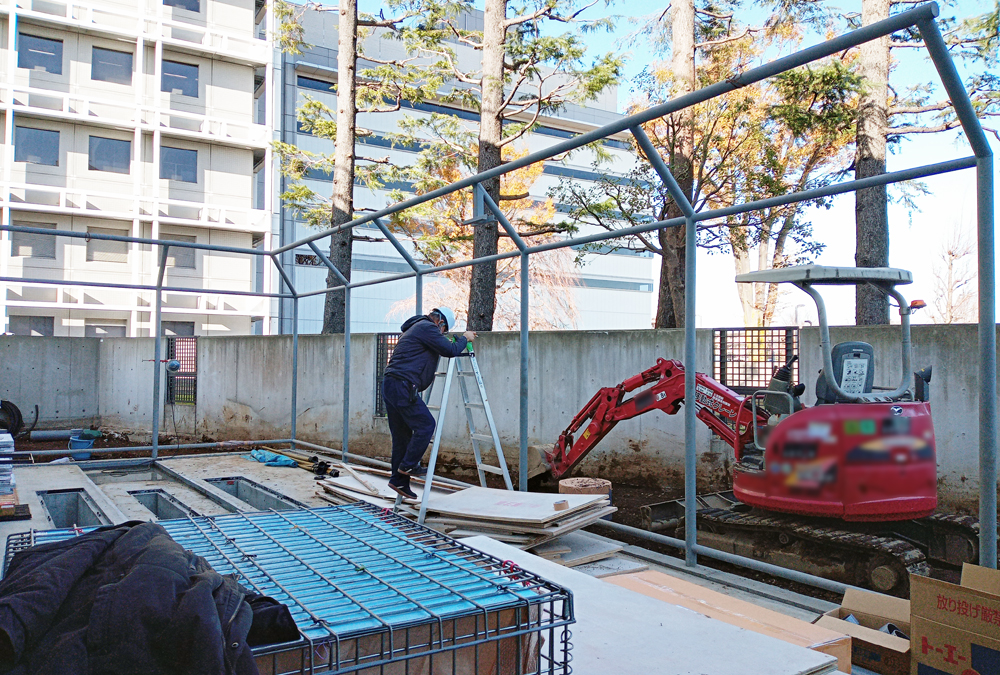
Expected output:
(862, 452)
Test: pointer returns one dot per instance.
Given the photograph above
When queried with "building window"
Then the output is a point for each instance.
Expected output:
(177, 328)
(179, 164)
(36, 146)
(312, 83)
(102, 328)
(109, 154)
(190, 5)
(108, 65)
(38, 53)
(104, 250)
(180, 256)
(38, 326)
(29, 245)
(179, 78)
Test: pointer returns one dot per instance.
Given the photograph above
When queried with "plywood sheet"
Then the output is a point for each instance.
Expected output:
(507, 506)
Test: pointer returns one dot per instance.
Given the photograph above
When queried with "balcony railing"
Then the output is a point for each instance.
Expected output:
(100, 111)
(91, 16)
(73, 201)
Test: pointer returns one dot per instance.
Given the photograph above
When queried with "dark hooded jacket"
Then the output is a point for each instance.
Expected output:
(415, 356)
(121, 600)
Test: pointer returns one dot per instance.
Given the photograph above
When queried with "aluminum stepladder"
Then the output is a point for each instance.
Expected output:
(464, 367)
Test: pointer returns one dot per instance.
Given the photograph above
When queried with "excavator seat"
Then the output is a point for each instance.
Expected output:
(853, 369)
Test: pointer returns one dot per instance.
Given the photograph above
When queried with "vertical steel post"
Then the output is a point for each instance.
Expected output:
(158, 349)
(987, 366)
(690, 405)
(347, 330)
(420, 293)
(295, 365)
(486, 203)
(347, 372)
(522, 468)
(683, 201)
(966, 113)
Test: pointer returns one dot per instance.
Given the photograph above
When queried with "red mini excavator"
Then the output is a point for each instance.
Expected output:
(860, 454)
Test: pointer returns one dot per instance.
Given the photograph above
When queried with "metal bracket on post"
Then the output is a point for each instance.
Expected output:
(347, 345)
(158, 349)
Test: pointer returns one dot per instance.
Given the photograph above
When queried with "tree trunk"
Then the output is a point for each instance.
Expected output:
(483, 284)
(672, 239)
(343, 172)
(871, 216)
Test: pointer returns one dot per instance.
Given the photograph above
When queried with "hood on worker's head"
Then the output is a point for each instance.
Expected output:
(412, 320)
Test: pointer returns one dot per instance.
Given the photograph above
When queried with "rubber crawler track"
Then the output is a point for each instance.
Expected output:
(906, 555)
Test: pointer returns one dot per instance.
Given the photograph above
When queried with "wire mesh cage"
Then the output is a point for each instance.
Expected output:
(745, 358)
(182, 386)
(372, 592)
(384, 344)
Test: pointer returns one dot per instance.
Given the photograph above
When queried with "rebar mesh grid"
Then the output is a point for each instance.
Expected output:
(745, 358)
(384, 344)
(372, 592)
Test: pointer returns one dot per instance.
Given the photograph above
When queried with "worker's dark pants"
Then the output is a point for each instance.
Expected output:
(410, 423)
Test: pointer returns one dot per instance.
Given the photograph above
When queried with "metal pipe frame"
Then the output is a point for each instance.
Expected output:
(923, 17)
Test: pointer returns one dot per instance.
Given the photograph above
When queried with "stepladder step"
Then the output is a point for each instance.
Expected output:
(490, 469)
(482, 437)
(477, 406)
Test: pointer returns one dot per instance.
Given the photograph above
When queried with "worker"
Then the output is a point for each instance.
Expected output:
(410, 371)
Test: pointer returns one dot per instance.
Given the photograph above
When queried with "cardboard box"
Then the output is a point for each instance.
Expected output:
(739, 613)
(956, 628)
(871, 648)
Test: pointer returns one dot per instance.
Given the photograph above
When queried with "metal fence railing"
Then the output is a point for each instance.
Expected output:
(384, 344)
(744, 359)
(182, 386)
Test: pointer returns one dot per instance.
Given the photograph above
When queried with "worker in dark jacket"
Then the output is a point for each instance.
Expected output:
(410, 371)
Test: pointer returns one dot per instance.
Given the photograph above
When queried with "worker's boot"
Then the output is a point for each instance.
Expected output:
(400, 484)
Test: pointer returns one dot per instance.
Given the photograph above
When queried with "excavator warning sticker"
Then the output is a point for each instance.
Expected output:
(854, 375)
(712, 400)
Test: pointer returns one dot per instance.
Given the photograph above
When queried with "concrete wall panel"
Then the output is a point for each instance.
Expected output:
(126, 385)
(58, 375)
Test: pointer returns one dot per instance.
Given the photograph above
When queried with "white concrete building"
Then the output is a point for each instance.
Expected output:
(615, 290)
(141, 118)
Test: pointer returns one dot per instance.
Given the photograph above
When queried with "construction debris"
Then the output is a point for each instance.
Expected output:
(9, 507)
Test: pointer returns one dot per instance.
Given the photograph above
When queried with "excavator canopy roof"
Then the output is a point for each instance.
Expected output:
(821, 274)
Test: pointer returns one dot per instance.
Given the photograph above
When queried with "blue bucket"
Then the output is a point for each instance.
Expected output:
(77, 443)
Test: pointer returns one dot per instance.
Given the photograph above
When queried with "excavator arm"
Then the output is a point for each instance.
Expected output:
(724, 411)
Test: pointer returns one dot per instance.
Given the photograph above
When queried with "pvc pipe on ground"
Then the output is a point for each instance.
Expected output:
(53, 435)
(148, 448)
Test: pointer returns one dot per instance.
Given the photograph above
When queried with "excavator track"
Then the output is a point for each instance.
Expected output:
(879, 561)
(951, 539)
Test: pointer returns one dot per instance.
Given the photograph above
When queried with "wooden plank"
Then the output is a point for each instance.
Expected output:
(555, 547)
(354, 474)
(506, 506)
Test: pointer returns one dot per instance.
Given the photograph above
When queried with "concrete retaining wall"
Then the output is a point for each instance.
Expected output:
(244, 391)
(58, 375)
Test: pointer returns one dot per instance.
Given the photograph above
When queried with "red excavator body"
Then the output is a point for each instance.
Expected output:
(854, 461)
